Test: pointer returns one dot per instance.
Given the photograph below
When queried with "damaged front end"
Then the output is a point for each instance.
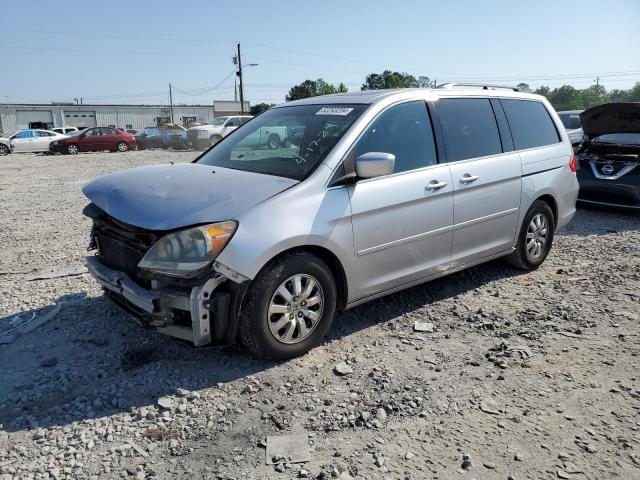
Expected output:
(200, 305)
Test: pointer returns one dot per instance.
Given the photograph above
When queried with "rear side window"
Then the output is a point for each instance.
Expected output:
(530, 123)
(405, 131)
(470, 128)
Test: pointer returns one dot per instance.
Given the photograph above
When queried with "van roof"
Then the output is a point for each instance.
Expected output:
(375, 96)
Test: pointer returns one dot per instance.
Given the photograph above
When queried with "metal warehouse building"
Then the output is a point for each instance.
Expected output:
(20, 115)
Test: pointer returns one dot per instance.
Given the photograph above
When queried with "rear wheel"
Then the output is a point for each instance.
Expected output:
(535, 238)
(289, 307)
(72, 149)
(122, 147)
(4, 150)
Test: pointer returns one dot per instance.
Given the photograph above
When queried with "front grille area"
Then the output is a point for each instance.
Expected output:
(121, 247)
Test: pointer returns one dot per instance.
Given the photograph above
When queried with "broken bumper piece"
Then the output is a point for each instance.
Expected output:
(161, 308)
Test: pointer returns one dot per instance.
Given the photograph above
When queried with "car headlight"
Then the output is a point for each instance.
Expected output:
(185, 253)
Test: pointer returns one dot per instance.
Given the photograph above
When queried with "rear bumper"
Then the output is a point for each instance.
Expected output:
(206, 308)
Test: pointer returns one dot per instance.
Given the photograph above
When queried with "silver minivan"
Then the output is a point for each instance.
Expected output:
(369, 193)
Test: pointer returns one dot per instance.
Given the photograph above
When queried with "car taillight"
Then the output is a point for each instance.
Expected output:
(573, 164)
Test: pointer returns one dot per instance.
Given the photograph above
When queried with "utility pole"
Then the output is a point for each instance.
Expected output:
(597, 81)
(240, 77)
(171, 102)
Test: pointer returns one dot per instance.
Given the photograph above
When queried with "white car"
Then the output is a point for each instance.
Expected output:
(29, 141)
(64, 130)
(572, 124)
(204, 136)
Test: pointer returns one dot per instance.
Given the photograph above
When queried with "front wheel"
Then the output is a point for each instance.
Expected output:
(72, 149)
(4, 150)
(535, 238)
(122, 147)
(289, 307)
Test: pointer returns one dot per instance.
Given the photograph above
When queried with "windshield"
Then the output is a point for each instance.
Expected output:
(623, 138)
(571, 121)
(286, 142)
(76, 133)
(219, 120)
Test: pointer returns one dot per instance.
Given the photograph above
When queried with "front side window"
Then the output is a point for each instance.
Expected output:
(24, 134)
(94, 132)
(405, 131)
(286, 142)
(44, 134)
(530, 123)
(220, 121)
(470, 128)
(233, 122)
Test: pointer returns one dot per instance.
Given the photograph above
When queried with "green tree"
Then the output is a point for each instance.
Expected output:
(389, 79)
(313, 88)
(260, 107)
(426, 82)
(542, 90)
(594, 95)
(617, 95)
(524, 87)
(565, 98)
(633, 94)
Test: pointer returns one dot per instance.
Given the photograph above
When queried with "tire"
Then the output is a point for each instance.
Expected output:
(531, 250)
(214, 139)
(122, 147)
(73, 149)
(273, 141)
(258, 324)
(4, 150)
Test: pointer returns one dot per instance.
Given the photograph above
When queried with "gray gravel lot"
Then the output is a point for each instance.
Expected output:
(523, 376)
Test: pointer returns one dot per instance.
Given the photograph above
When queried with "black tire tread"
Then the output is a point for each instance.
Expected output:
(518, 259)
(247, 333)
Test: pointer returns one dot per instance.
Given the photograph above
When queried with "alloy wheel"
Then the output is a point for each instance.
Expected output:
(295, 309)
(537, 235)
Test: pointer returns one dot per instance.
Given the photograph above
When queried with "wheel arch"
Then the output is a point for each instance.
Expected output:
(332, 261)
(547, 198)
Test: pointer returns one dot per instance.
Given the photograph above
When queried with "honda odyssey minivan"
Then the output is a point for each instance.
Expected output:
(384, 190)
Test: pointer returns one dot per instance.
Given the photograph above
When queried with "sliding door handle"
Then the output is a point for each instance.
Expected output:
(435, 185)
(467, 178)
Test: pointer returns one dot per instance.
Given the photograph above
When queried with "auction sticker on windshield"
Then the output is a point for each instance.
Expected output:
(341, 111)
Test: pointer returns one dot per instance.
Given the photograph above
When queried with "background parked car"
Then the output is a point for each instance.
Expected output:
(95, 139)
(204, 136)
(572, 124)
(609, 156)
(64, 130)
(159, 137)
(28, 141)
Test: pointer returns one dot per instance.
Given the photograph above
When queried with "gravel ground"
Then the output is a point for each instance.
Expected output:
(512, 375)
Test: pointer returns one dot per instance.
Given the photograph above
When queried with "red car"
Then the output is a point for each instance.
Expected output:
(95, 139)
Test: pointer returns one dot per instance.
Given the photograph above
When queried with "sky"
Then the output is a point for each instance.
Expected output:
(128, 52)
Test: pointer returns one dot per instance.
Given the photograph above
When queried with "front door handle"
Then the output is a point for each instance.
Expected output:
(435, 185)
(467, 178)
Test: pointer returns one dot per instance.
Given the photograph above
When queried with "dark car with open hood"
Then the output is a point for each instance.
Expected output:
(609, 156)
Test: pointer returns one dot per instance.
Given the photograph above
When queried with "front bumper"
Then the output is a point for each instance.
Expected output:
(616, 192)
(166, 308)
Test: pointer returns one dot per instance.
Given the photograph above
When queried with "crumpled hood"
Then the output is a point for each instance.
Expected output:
(611, 118)
(165, 197)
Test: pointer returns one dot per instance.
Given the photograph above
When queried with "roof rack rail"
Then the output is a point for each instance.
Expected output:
(483, 86)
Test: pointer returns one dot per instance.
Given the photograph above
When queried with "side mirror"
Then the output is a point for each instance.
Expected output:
(375, 164)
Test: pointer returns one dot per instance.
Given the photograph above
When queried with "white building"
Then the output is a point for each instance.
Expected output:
(21, 115)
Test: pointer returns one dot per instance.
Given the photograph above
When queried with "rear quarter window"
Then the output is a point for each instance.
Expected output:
(470, 128)
(530, 123)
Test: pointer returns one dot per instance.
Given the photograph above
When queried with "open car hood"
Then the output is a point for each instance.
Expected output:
(166, 197)
(611, 118)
